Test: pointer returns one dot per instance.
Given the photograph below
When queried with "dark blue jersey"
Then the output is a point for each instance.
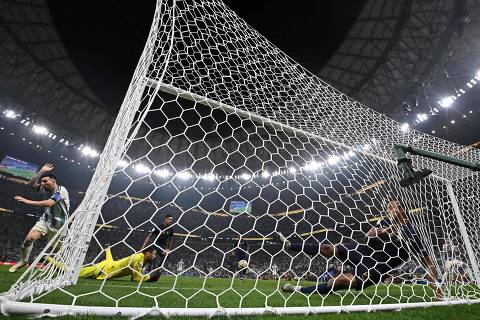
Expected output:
(373, 261)
(241, 250)
(406, 236)
(162, 235)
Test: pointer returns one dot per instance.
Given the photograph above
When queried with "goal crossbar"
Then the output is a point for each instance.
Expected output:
(188, 95)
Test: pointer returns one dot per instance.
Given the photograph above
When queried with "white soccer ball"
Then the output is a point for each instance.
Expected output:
(242, 264)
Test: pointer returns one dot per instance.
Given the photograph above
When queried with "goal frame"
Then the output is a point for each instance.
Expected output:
(115, 148)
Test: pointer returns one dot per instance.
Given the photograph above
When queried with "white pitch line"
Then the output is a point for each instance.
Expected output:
(149, 287)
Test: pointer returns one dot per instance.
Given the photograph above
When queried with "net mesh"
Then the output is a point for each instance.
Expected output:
(216, 114)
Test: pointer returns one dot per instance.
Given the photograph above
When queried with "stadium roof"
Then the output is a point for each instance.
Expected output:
(38, 78)
(397, 50)
(394, 49)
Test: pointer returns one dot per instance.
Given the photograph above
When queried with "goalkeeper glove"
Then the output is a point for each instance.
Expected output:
(154, 276)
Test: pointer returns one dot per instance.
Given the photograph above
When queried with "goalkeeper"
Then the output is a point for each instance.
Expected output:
(109, 268)
(388, 247)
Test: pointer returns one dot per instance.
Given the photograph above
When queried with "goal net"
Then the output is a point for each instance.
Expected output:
(237, 142)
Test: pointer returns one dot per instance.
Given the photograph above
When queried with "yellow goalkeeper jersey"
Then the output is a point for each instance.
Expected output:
(109, 268)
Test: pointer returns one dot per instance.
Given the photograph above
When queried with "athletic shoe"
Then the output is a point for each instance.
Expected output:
(283, 240)
(18, 265)
(287, 287)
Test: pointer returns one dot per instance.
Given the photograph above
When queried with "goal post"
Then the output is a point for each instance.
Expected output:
(215, 115)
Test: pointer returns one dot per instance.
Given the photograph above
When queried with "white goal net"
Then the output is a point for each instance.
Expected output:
(238, 143)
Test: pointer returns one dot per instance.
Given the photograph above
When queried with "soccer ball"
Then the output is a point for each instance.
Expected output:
(242, 264)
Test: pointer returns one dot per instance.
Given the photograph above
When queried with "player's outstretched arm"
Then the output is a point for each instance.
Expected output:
(41, 203)
(375, 232)
(147, 240)
(34, 181)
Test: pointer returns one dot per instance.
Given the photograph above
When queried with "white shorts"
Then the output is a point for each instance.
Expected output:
(45, 229)
(455, 263)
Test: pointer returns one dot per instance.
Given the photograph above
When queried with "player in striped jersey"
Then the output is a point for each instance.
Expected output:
(56, 204)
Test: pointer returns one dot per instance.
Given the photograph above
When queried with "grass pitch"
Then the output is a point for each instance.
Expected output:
(181, 292)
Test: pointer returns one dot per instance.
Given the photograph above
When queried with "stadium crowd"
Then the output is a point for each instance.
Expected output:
(201, 256)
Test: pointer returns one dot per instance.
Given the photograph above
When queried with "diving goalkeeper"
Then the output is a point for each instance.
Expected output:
(109, 268)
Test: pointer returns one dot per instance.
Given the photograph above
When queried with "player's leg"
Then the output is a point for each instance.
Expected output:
(469, 274)
(56, 263)
(242, 273)
(108, 254)
(52, 232)
(99, 270)
(94, 271)
(447, 267)
(343, 281)
(27, 244)
(39, 230)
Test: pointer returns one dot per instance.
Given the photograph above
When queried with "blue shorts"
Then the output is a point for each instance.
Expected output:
(241, 256)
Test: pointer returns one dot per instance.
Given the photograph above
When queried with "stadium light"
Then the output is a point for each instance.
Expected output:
(246, 176)
(39, 129)
(311, 166)
(292, 170)
(162, 173)
(422, 117)
(447, 102)
(10, 114)
(405, 127)
(141, 168)
(184, 175)
(366, 147)
(87, 151)
(209, 177)
(265, 174)
(333, 160)
(122, 164)
(352, 153)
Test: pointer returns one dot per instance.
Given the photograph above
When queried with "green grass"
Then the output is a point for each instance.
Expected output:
(200, 292)
(18, 172)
